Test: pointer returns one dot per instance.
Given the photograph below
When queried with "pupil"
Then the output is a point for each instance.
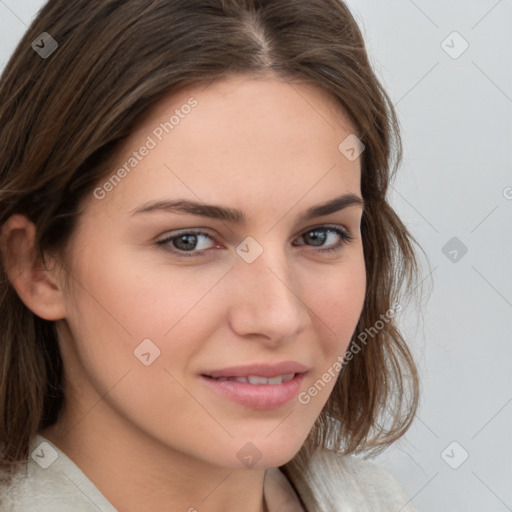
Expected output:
(189, 241)
(316, 237)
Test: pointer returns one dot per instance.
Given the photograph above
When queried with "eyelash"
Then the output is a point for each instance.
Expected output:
(345, 235)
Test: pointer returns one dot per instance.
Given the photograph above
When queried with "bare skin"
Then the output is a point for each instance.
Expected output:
(156, 437)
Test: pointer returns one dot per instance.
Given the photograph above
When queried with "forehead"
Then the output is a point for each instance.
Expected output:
(252, 104)
(261, 137)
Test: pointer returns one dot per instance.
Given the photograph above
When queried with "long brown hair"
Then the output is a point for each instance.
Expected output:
(63, 117)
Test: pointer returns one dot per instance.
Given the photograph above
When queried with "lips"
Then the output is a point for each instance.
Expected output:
(258, 386)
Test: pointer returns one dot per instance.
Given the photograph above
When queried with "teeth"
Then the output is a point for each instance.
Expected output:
(253, 379)
(257, 380)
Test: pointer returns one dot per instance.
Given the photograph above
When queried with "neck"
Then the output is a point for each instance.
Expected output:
(134, 471)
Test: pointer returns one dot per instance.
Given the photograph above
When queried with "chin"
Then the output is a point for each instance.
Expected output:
(262, 452)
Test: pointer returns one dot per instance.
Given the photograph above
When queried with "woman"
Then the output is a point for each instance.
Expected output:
(201, 270)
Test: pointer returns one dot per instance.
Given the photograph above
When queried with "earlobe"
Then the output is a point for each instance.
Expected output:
(36, 284)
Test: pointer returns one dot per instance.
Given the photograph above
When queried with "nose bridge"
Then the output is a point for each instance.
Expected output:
(267, 301)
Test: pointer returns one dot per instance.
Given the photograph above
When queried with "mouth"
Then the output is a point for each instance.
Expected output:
(256, 380)
(256, 391)
(259, 370)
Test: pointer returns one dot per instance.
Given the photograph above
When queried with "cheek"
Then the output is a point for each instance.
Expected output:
(337, 302)
(119, 300)
(139, 296)
(112, 312)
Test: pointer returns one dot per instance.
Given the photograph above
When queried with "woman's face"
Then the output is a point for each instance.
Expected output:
(158, 297)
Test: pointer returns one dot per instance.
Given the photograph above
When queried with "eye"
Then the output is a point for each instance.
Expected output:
(319, 235)
(192, 243)
(186, 242)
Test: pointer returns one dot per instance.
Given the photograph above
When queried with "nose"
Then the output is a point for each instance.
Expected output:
(267, 300)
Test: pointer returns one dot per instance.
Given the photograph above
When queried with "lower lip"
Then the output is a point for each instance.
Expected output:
(262, 396)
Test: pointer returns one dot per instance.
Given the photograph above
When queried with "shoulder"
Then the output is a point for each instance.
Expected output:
(52, 485)
(50, 491)
(354, 484)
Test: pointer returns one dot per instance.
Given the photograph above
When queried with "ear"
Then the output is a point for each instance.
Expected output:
(37, 285)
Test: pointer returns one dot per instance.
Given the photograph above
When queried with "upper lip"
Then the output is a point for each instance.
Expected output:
(261, 370)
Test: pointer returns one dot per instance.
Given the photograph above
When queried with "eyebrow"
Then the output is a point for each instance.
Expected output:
(237, 216)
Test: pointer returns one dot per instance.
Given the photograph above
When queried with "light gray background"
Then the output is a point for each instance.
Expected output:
(455, 181)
